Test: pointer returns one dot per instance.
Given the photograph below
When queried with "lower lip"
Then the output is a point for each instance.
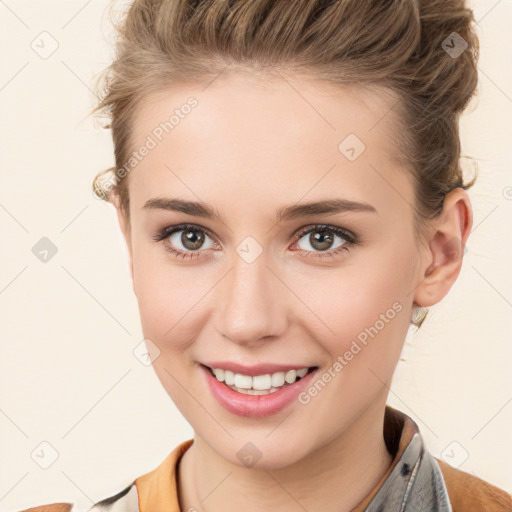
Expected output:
(255, 406)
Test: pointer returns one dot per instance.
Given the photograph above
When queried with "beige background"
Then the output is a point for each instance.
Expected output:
(68, 375)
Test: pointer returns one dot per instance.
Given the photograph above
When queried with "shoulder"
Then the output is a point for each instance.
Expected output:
(468, 493)
(125, 501)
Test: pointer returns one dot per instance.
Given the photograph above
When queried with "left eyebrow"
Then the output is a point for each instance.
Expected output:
(328, 206)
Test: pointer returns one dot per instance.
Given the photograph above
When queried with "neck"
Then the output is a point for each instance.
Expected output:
(334, 478)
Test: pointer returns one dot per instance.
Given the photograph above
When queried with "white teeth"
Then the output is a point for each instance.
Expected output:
(243, 381)
(290, 376)
(262, 382)
(277, 379)
(253, 385)
(253, 391)
(219, 373)
(229, 377)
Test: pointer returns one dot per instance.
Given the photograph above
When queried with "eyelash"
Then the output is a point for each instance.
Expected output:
(350, 239)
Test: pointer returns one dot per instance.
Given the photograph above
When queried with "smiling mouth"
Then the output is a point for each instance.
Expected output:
(259, 384)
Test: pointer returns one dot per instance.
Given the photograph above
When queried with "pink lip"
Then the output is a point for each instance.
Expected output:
(257, 369)
(255, 406)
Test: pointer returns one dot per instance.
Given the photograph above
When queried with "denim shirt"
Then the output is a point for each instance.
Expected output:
(416, 483)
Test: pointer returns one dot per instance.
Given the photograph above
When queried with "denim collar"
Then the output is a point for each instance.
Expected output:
(415, 481)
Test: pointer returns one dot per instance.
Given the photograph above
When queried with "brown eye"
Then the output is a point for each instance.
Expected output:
(322, 239)
(188, 239)
(185, 241)
(192, 240)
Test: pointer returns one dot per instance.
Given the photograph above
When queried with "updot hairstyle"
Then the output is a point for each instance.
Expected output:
(423, 52)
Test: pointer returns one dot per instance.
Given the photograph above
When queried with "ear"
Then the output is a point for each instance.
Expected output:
(124, 225)
(446, 243)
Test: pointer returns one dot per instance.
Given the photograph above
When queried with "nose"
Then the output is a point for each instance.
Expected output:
(251, 305)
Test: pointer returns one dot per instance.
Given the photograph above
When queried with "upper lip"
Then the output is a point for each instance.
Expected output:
(257, 369)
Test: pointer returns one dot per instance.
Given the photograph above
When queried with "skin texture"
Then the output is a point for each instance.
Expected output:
(248, 148)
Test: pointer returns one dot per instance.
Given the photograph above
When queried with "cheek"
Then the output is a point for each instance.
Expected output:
(170, 300)
(161, 289)
(365, 309)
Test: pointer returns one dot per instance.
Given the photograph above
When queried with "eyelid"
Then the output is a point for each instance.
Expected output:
(349, 236)
(169, 230)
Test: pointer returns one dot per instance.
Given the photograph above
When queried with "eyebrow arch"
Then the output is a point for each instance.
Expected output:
(328, 206)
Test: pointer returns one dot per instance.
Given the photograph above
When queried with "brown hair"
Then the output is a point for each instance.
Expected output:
(425, 52)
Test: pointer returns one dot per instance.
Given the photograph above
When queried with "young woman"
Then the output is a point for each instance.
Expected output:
(287, 181)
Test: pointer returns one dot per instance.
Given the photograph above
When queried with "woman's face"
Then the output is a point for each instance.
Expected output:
(250, 287)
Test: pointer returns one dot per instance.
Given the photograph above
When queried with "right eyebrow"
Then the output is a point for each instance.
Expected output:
(179, 205)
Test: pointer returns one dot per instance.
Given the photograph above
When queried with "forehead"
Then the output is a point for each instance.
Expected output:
(286, 135)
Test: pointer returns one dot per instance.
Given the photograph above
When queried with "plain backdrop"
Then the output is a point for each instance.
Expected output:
(75, 398)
